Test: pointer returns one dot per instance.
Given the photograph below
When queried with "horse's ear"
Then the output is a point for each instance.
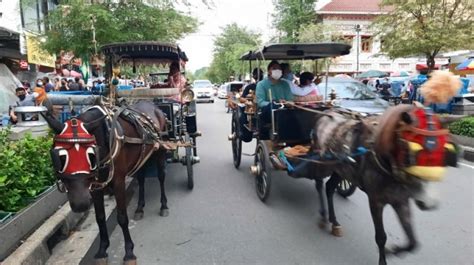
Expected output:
(56, 125)
(406, 118)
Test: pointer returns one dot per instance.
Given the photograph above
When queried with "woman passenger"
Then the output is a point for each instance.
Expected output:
(307, 90)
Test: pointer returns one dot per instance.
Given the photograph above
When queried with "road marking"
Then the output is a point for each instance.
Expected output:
(466, 165)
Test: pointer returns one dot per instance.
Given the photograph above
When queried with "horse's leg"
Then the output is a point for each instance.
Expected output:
(322, 205)
(376, 210)
(331, 186)
(141, 197)
(98, 198)
(161, 176)
(404, 215)
(122, 218)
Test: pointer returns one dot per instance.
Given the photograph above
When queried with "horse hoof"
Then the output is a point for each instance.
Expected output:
(101, 261)
(322, 223)
(164, 212)
(138, 216)
(336, 230)
(130, 262)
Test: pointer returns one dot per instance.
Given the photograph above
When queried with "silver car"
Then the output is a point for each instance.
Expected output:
(354, 95)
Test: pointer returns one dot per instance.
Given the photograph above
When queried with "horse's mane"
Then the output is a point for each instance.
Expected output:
(386, 128)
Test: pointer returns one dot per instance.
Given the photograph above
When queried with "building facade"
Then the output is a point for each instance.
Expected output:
(352, 19)
(10, 29)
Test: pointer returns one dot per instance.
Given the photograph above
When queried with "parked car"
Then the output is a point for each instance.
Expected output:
(354, 95)
(203, 91)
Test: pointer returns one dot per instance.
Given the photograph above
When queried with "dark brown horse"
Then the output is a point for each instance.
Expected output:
(376, 174)
(99, 149)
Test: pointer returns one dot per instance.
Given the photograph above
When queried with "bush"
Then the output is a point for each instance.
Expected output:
(25, 170)
(464, 127)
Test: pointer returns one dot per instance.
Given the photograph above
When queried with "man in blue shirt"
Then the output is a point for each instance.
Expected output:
(280, 90)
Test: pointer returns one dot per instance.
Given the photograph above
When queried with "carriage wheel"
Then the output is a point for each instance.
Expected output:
(263, 179)
(345, 188)
(236, 141)
(189, 162)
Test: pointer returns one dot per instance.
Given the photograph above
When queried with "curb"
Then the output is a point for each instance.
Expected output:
(467, 153)
(59, 240)
(36, 248)
(84, 242)
(466, 144)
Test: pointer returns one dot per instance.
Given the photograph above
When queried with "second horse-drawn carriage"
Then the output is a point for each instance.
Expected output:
(171, 96)
(290, 126)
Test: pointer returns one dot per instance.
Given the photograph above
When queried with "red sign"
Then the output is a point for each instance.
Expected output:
(24, 65)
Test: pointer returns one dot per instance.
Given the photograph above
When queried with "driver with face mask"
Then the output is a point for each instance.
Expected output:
(280, 90)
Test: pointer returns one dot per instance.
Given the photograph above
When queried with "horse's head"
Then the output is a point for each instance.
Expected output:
(75, 157)
(419, 150)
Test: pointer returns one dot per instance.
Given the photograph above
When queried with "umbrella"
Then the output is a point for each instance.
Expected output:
(343, 76)
(76, 74)
(372, 73)
(399, 74)
(467, 64)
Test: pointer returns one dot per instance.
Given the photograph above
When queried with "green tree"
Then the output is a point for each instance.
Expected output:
(131, 20)
(292, 15)
(228, 47)
(201, 73)
(425, 27)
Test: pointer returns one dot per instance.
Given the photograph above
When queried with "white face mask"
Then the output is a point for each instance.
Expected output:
(276, 74)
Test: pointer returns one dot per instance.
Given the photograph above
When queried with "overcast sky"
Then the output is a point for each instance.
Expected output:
(253, 14)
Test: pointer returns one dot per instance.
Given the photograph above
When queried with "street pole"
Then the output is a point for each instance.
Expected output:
(357, 29)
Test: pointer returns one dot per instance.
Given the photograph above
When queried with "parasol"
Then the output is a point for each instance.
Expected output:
(467, 64)
(372, 73)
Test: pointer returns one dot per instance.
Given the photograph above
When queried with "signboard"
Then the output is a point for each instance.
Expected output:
(36, 55)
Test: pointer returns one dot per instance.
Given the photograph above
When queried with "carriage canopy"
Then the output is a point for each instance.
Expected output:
(298, 51)
(144, 52)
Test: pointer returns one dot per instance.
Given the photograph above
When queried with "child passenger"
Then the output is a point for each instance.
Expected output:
(307, 90)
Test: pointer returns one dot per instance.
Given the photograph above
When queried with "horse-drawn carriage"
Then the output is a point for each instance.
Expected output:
(290, 125)
(177, 104)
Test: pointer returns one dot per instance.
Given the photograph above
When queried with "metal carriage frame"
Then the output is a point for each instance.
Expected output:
(277, 135)
(181, 130)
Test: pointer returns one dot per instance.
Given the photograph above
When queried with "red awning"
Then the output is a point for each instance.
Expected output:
(422, 66)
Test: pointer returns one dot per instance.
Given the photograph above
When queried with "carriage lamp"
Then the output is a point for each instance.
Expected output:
(187, 95)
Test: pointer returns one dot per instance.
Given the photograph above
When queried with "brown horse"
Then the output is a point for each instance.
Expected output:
(104, 147)
(377, 174)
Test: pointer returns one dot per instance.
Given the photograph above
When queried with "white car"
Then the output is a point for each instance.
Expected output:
(203, 91)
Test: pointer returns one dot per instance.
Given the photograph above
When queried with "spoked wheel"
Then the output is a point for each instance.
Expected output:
(263, 178)
(236, 141)
(189, 162)
(345, 188)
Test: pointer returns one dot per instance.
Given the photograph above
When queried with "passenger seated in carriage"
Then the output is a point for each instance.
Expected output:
(272, 86)
(175, 78)
(307, 90)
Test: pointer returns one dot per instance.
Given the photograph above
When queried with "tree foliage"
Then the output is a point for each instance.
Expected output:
(228, 47)
(292, 15)
(425, 27)
(131, 20)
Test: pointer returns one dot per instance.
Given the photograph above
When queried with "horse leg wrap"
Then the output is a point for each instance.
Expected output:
(336, 230)
(130, 262)
(101, 261)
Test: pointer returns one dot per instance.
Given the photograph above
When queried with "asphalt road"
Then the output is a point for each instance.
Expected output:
(222, 221)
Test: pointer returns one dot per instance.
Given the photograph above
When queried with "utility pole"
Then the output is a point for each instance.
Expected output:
(357, 29)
